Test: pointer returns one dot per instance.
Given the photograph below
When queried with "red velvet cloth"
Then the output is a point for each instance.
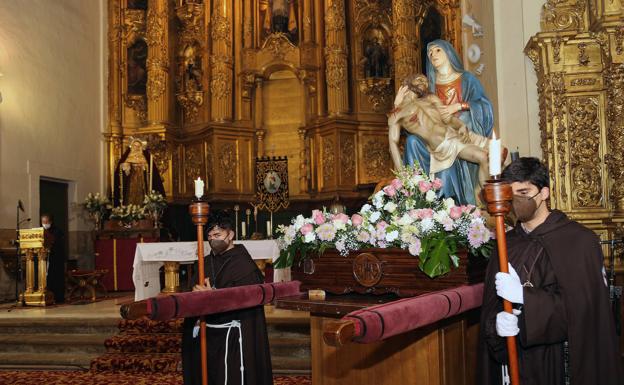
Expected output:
(198, 303)
(117, 256)
(379, 322)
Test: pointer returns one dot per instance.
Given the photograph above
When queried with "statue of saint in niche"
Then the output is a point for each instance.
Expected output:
(192, 71)
(375, 56)
(134, 181)
(279, 16)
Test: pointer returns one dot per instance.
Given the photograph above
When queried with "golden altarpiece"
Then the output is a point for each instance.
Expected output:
(579, 61)
(213, 84)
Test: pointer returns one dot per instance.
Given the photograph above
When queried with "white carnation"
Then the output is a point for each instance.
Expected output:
(309, 237)
(366, 208)
(430, 196)
(299, 222)
(426, 225)
(374, 216)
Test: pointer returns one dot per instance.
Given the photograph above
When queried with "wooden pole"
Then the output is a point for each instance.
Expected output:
(199, 213)
(498, 195)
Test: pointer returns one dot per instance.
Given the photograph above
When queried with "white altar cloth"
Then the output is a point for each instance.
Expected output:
(150, 257)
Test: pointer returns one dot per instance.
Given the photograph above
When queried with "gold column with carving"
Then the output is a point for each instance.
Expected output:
(578, 61)
(405, 43)
(221, 61)
(158, 79)
(172, 277)
(336, 58)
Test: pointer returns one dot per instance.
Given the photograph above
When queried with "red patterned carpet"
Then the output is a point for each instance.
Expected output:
(89, 378)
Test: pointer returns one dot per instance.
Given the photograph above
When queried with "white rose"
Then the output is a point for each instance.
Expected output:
(392, 236)
(365, 208)
(309, 237)
(374, 216)
(299, 222)
(448, 203)
(390, 207)
(430, 196)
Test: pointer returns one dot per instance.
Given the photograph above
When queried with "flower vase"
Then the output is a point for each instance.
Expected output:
(97, 219)
(155, 218)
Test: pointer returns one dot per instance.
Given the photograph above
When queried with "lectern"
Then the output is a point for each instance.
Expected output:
(32, 245)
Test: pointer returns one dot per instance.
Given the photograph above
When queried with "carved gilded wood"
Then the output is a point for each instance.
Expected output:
(578, 62)
(210, 71)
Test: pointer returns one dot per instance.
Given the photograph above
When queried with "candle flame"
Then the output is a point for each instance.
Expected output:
(493, 134)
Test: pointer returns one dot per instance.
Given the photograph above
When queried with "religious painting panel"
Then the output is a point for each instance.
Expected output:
(233, 164)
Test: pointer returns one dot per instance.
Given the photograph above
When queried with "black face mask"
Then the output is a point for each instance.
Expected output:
(218, 246)
(525, 207)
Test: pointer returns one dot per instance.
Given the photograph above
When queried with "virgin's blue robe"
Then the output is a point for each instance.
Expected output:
(462, 177)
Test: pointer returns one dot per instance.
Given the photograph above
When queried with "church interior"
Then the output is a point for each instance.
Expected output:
(126, 123)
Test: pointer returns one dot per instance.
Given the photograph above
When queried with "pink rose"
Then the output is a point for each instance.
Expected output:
(344, 218)
(436, 184)
(390, 190)
(356, 219)
(306, 228)
(413, 213)
(382, 225)
(396, 183)
(468, 208)
(424, 213)
(456, 212)
(318, 217)
(424, 186)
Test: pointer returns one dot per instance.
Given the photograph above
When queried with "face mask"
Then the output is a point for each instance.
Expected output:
(524, 207)
(218, 246)
(46, 226)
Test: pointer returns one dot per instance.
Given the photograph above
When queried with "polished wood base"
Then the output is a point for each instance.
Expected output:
(441, 354)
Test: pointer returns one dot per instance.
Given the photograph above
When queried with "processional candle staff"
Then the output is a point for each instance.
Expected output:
(199, 213)
(498, 195)
(151, 174)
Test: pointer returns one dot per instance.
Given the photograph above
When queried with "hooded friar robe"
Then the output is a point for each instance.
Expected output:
(568, 301)
(232, 268)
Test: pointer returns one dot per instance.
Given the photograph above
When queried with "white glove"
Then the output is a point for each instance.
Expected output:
(508, 286)
(507, 324)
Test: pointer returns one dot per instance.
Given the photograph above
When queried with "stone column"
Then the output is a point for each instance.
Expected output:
(158, 81)
(221, 61)
(336, 58)
(405, 44)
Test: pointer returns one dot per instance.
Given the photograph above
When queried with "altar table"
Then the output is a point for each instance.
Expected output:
(149, 258)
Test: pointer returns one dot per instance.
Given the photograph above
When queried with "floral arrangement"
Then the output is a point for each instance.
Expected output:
(407, 214)
(154, 202)
(128, 214)
(96, 204)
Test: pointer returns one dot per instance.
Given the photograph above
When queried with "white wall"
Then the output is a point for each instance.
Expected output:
(53, 57)
(515, 21)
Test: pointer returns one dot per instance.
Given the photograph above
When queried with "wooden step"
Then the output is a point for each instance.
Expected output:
(53, 343)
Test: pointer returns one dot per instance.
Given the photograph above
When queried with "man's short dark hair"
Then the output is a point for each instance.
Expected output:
(221, 219)
(527, 169)
(50, 216)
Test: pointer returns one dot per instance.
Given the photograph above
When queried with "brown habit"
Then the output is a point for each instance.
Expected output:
(569, 301)
(234, 267)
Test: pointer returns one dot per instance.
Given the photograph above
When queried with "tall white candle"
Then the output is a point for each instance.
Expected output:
(199, 188)
(151, 174)
(243, 229)
(269, 229)
(495, 155)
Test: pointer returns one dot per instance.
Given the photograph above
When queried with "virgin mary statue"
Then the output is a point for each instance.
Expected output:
(463, 96)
